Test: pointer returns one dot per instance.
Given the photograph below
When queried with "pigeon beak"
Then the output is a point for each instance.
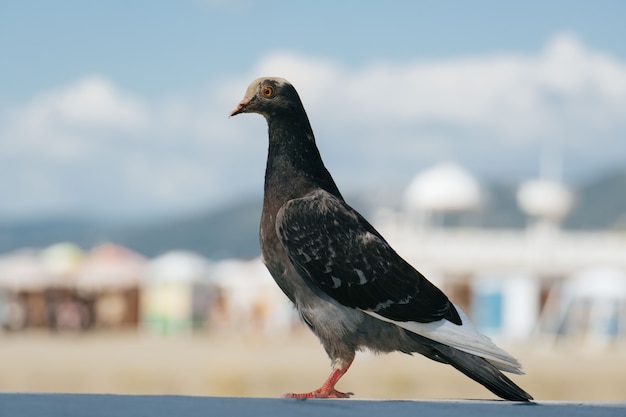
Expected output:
(240, 108)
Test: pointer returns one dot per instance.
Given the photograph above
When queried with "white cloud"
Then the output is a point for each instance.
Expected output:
(92, 102)
(378, 123)
(93, 146)
(519, 97)
(68, 122)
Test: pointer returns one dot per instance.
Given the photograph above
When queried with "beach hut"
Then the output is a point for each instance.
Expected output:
(23, 282)
(591, 306)
(175, 293)
(67, 310)
(249, 299)
(505, 305)
(111, 275)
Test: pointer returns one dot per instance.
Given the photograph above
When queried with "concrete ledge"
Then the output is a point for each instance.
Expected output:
(80, 405)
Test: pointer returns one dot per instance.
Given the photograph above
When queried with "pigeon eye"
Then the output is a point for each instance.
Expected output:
(267, 91)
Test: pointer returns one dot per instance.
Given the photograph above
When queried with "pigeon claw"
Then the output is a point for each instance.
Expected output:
(319, 393)
(327, 390)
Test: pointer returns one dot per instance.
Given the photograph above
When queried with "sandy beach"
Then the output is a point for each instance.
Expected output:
(263, 366)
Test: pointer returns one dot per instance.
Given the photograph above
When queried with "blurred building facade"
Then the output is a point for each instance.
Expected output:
(514, 283)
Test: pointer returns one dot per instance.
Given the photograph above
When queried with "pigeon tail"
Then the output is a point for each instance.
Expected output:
(483, 372)
(463, 337)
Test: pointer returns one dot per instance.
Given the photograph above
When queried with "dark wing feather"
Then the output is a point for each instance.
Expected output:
(337, 250)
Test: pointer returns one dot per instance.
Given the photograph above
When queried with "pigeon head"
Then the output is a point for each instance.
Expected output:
(271, 97)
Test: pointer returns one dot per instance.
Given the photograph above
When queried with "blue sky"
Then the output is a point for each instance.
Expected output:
(120, 108)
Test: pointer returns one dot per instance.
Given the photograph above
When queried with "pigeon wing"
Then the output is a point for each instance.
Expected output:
(337, 250)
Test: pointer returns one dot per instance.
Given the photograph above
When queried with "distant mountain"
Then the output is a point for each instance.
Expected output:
(233, 231)
(600, 204)
(45, 232)
(501, 209)
(229, 232)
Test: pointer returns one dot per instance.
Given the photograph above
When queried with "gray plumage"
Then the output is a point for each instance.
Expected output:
(347, 283)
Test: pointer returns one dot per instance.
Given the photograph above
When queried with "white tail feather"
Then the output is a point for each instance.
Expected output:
(463, 337)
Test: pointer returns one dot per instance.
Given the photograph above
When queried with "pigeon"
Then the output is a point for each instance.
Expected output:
(346, 282)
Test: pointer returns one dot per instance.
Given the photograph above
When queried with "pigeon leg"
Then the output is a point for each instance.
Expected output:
(327, 390)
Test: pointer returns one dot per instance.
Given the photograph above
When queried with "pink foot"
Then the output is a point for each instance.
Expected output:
(327, 390)
(319, 393)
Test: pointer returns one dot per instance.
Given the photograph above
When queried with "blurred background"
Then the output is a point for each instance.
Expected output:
(485, 140)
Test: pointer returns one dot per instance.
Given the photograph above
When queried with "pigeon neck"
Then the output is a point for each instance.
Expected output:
(293, 157)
